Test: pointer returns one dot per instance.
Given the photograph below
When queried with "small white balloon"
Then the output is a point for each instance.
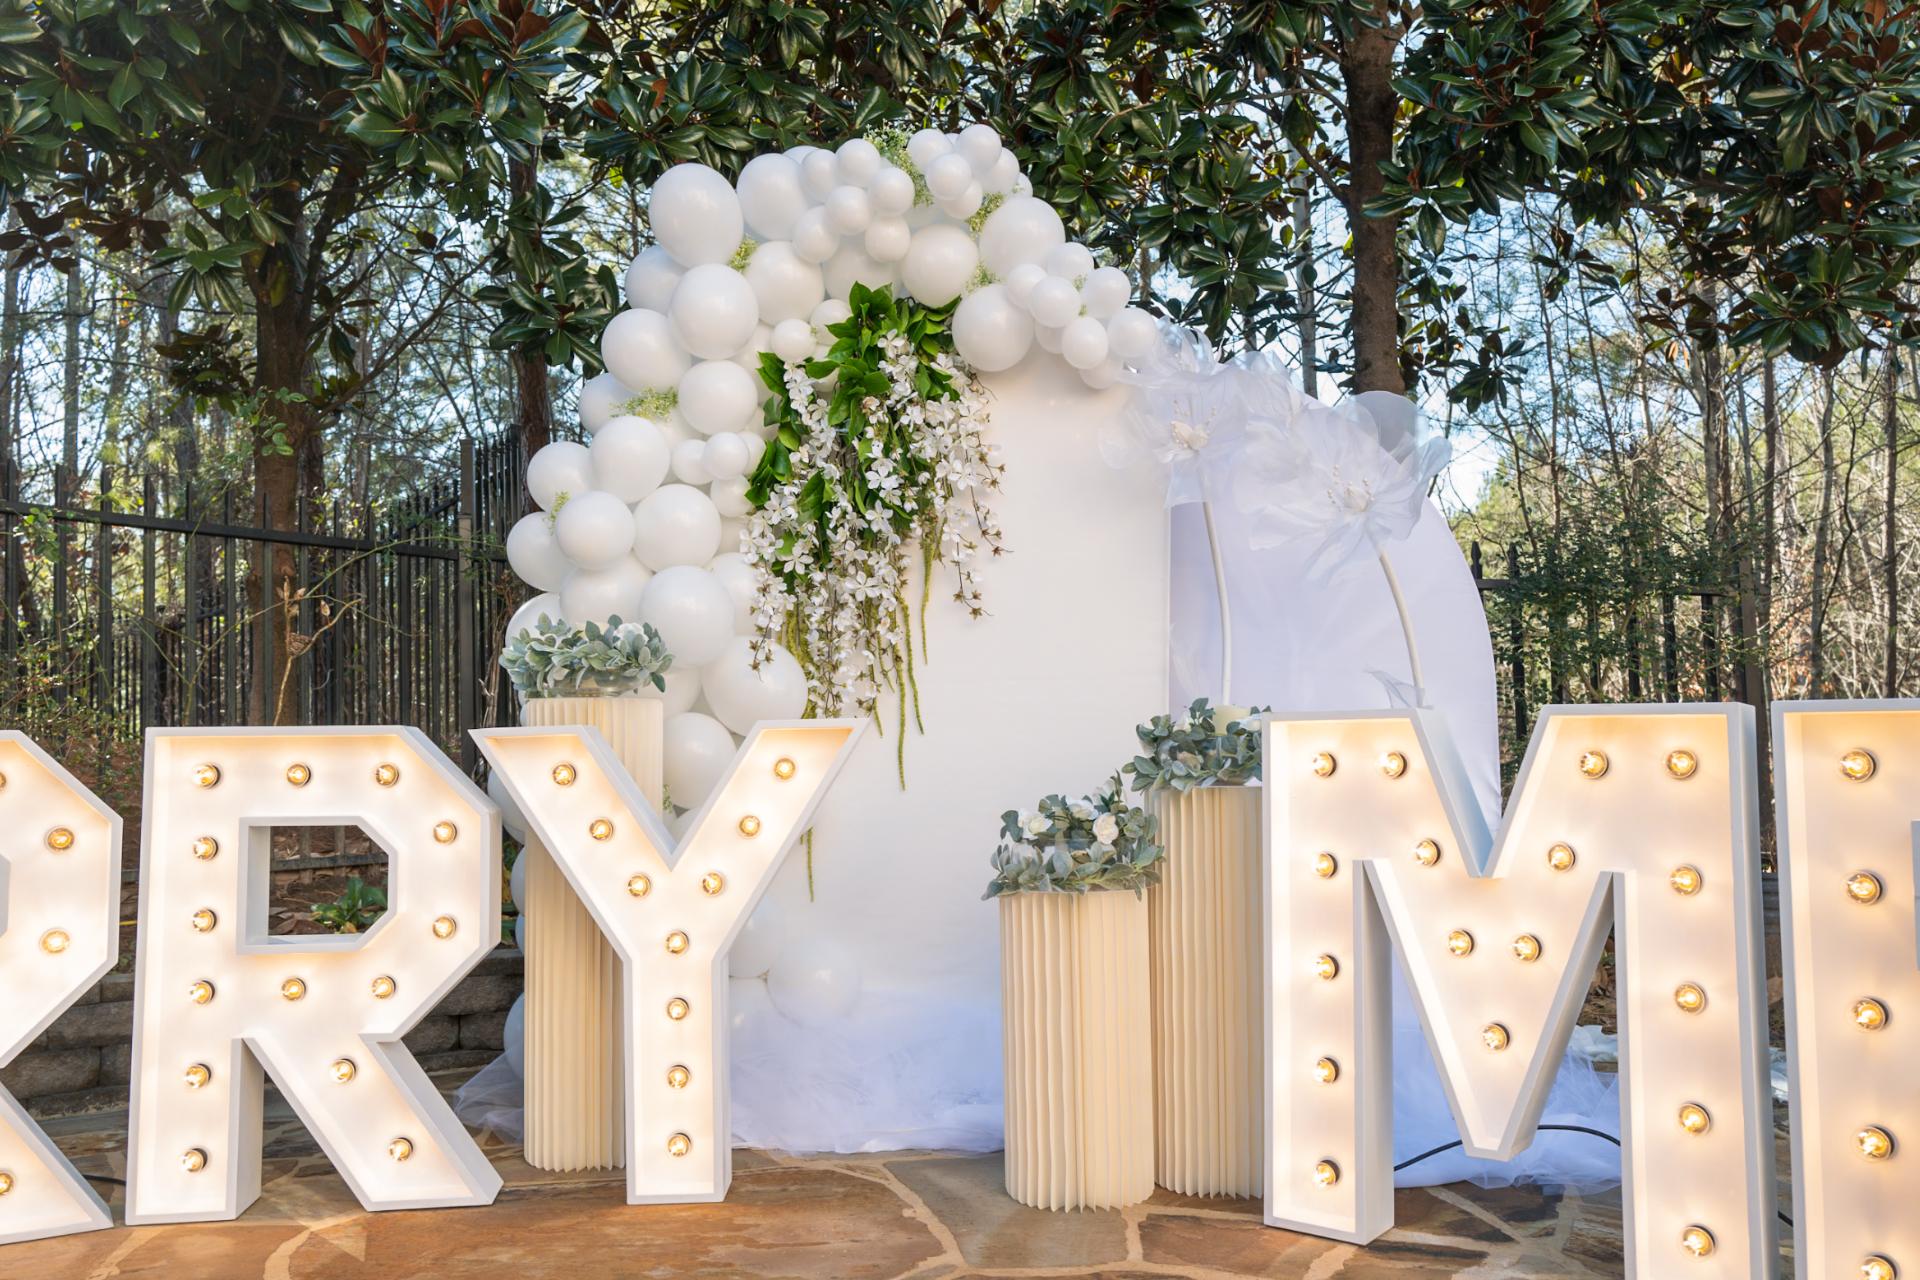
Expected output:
(601, 398)
(595, 529)
(1083, 343)
(887, 239)
(829, 313)
(651, 279)
(733, 534)
(1023, 185)
(1021, 230)
(1020, 282)
(793, 340)
(738, 577)
(696, 215)
(595, 595)
(819, 174)
(980, 145)
(742, 696)
(641, 350)
(513, 1034)
(852, 266)
(966, 204)
(848, 210)
(948, 176)
(675, 429)
(748, 357)
(630, 458)
(725, 455)
(676, 524)
(1005, 172)
(527, 616)
(785, 285)
(714, 311)
(814, 239)
(517, 878)
(535, 555)
(718, 395)
(698, 751)
(729, 495)
(682, 691)
(939, 263)
(1070, 261)
(692, 612)
(1103, 375)
(1048, 336)
(814, 981)
(690, 462)
(1053, 302)
(511, 818)
(891, 191)
(857, 162)
(520, 932)
(558, 470)
(1131, 333)
(759, 942)
(1105, 292)
(772, 196)
(989, 332)
(926, 145)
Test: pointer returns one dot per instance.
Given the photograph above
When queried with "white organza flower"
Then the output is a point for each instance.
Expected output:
(1188, 413)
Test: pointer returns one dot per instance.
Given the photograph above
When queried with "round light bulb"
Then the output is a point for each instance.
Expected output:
(1697, 1241)
(386, 774)
(60, 839)
(206, 775)
(1326, 1173)
(205, 847)
(1694, 1118)
(1686, 880)
(1495, 1037)
(400, 1149)
(712, 883)
(299, 775)
(204, 920)
(444, 926)
(1324, 764)
(200, 992)
(445, 832)
(193, 1160)
(198, 1076)
(1326, 1071)
(1878, 1267)
(54, 941)
(600, 829)
(1864, 887)
(749, 825)
(639, 886)
(293, 989)
(1560, 857)
(1874, 1142)
(1460, 942)
(1426, 853)
(679, 1144)
(1393, 764)
(1327, 967)
(1682, 763)
(677, 1009)
(678, 1077)
(564, 775)
(1324, 865)
(1526, 948)
(343, 1070)
(1857, 765)
(1690, 997)
(1593, 764)
(676, 943)
(382, 987)
(1869, 1014)
(6, 1182)
(784, 768)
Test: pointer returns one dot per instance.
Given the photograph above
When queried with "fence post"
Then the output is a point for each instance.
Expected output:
(103, 584)
(1517, 641)
(466, 702)
(189, 616)
(149, 634)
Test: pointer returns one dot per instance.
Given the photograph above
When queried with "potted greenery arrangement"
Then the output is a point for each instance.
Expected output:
(1204, 937)
(1070, 876)
(610, 677)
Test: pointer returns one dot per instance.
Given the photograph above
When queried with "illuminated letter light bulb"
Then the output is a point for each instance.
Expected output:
(316, 1016)
(644, 888)
(59, 931)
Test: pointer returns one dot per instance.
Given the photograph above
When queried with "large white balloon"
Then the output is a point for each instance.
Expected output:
(513, 1036)
(651, 279)
(595, 529)
(814, 980)
(641, 350)
(772, 196)
(939, 263)
(676, 524)
(594, 595)
(852, 266)
(1084, 342)
(742, 696)
(759, 941)
(560, 468)
(601, 398)
(696, 215)
(785, 285)
(630, 457)
(698, 751)
(737, 576)
(534, 555)
(546, 604)
(1132, 333)
(714, 311)
(692, 612)
(1021, 230)
(989, 332)
(814, 240)
(718, 395)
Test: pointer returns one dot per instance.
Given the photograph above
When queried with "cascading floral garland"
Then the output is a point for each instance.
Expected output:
(877, 454)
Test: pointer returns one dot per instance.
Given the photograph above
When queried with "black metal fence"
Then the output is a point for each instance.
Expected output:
(135, 604)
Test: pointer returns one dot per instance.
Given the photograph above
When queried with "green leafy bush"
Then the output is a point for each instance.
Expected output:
(355, 910)
(1197, 750)
(554, 660)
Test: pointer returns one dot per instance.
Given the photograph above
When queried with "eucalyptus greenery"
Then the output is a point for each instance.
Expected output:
(1198, 750)
(555, 659)
(1071, 846)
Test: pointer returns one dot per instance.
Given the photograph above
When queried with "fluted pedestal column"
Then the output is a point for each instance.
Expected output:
(1079, 1065)
(575, 1103)
(1204, 930)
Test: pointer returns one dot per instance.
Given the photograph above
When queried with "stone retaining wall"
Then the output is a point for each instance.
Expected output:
(81, 1063)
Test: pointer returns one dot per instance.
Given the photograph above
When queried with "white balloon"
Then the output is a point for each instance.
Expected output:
(848, 210)
(1084, 342)
(640, 349)
(748, 357)
(1102, 375)
(676, 524)
(829, 313)
(891, 191)
(814, 239)
(948, 176)
(939, 263)
(1069, 261)
(651, 278)
(600, 399)
(675, 429)
(741, 696)
(513, 1035)
(1105, 292)
(785, 285)
(520, 932)
(560, 468)
(733, 533)
(690, 462)
(966, 204)
(692, 612)
(725, 455)
(533, 553)
(887, 239)
(512, 820)
(1005, 172)
(852, 266)
(1132, 333)
(595, 529)
(771, 195)
(545, 605)
(926, 145)
(729, 495)
(857, 162)
(1021, 230)
(679, 823)
(1054, 302)
(814, 981)
(980, 145)
(738, 577)
(698, 751)
(793, 340)
(819, 174)
(1023, 185)
(758, 942)
(696, 215)
(595, 595)
(517, 878)
(756, 446)
(989, 332)
(1020, 282)
(682, 691)
(1048, 336)
(714, 311)
(718, 395)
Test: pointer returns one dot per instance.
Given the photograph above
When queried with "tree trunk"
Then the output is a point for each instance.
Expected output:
(1305, 295)
(1891, 687)
(70, 397)
(1367, 69)
(1822, 541)
(532, 382)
